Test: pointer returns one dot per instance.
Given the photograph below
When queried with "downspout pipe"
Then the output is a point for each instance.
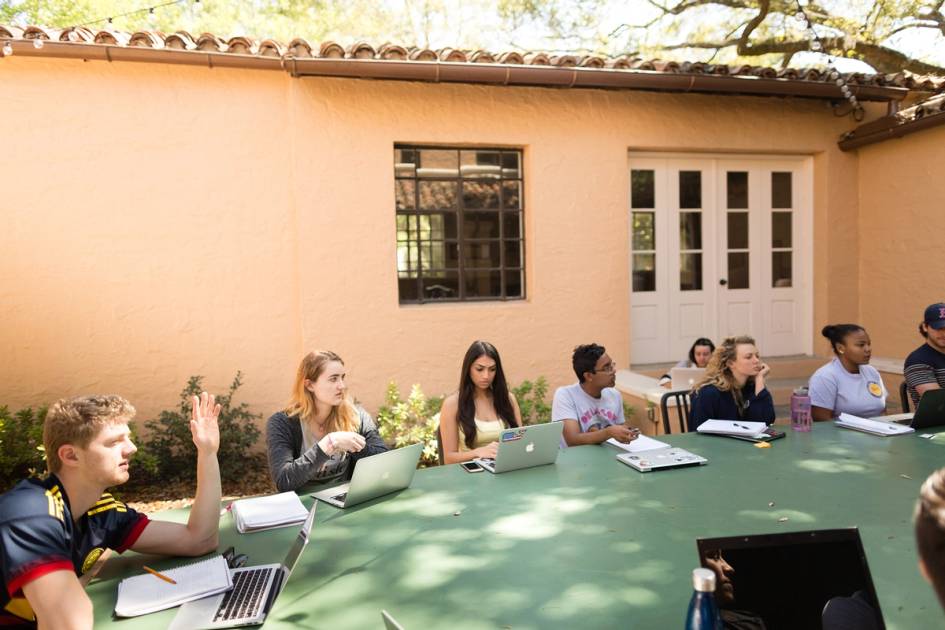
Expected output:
(457, 72)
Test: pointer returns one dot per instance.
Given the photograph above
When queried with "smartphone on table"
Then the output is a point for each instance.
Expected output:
(472, 467)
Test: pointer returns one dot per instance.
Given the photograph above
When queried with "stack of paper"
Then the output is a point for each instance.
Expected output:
(639, 445)
(147, 593)
(875, 427)
(733, 427)
(269, 512)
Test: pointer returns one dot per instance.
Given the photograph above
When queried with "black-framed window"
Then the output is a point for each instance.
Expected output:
(459, 224)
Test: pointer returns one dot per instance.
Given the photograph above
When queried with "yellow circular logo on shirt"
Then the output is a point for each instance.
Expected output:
(91, 558)
(875, 389)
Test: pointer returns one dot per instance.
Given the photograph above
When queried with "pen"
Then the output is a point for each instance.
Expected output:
(159, 575)
(740, 426)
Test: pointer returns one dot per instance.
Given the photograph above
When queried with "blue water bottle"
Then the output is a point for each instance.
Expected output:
(703, 613)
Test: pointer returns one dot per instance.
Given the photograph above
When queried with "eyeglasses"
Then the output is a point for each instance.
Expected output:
(610, 368)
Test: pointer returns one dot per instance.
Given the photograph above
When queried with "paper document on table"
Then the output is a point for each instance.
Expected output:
(732, 427)
(902, 418)
(639, 445)
(875, 427)
(275, 510)
(147, 593)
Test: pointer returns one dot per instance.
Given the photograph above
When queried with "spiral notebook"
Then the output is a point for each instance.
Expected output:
(146, 593)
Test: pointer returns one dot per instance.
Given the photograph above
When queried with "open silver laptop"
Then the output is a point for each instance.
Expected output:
(685, 378)
(254, 591)
(375, 476)
(524, 447)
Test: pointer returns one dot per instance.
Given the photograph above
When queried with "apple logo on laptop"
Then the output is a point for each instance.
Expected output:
(529, 447)
(386, 475)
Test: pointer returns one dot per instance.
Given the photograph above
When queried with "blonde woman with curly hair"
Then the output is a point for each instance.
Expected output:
(734, 386)
(321, 434)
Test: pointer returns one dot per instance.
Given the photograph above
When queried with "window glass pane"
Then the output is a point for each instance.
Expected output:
(407, 256)
(511, 164)
(644, 272)
(781, 190)
(781, 229)
(405, 162)
(480, 225)
(781, 269)
(642, 189)
(644, 230)
(737, 189)
(438, 195)
(738, 230)
(483, 284)
(438, 163)
(440, 286)
(479, 194)
(512, 224)
(690, 189)
(690, 272)
(738, 270)
(481, 254)
(480, 164)
(437, 227)
(406, 227)
(514, 283)
(408, 288)
(405, 192)
(512, 195)
(451, 255)
(513, 253)
(690, 230)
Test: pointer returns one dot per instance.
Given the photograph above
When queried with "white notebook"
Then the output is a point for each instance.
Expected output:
(875, 427)
(639, 445)
(146, 593)
(732, 427)
(269, 512)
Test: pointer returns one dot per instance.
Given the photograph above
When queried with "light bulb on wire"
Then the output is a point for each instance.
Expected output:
(7, 49)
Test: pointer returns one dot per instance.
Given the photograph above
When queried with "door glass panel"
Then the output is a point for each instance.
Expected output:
(642, 189)
(644, 230)
(690, 272)
(738, 270)
(781, 190)
(780, 229)
(690, 230)
(737, 230)
(690, 189)
(781, 269)
(737, 189)
(644, 272)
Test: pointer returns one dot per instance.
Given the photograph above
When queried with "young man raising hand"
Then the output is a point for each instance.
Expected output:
(53, 530)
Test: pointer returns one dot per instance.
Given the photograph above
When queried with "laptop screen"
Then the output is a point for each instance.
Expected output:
(813, 579)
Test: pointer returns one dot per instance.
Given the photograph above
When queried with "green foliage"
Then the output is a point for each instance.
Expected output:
(532, 401)
(405, 422)
(21, 445)
(628, 411)
(169, 453)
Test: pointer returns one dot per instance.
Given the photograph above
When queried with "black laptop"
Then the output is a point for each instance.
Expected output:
(811, 580)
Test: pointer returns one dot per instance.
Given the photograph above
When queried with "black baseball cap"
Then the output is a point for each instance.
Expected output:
(935, 316)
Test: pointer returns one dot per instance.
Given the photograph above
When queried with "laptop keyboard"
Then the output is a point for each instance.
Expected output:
(340, 498)
(243, 599)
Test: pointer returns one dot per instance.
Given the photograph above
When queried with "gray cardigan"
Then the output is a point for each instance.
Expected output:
(290, 468)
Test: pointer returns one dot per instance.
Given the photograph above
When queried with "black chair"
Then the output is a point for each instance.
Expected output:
(439, 443)
(904, 398)
(681, 398)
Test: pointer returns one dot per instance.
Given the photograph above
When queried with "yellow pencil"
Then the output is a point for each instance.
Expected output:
(160, 575)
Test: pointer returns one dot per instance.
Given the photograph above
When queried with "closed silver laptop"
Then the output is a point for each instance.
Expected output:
(375, 476)
(661, 459)
(525, 447)
(254, 592)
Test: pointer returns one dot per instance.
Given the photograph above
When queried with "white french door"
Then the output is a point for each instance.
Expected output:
(719, 246)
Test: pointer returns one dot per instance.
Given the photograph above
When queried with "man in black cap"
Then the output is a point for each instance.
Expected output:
(925, 367)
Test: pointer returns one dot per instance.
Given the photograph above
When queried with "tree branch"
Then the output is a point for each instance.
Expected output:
(743, 45)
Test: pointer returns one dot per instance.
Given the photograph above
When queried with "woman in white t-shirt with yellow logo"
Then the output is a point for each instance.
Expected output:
(848, 384)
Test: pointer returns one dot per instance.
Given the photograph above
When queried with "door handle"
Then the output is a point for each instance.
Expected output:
(723, 282)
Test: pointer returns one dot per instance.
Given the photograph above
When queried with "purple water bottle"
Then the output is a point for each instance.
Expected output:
(800, 410)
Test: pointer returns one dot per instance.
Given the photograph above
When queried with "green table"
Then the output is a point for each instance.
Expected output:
(588, 542)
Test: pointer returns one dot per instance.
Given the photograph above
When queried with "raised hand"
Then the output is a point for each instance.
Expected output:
(203, 422)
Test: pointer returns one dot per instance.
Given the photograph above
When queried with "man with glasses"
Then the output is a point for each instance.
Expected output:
(591, 409)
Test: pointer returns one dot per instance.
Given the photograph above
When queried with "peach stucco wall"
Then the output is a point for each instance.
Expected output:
(902, 257)
(162, 221)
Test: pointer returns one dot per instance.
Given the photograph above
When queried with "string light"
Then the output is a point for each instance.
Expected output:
(7, 49)
(817, 45)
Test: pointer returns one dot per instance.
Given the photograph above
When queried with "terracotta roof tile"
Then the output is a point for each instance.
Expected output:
(301, 49)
